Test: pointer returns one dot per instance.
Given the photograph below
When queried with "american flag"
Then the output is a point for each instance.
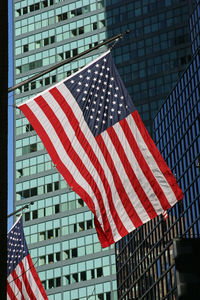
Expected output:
(23, 282)
(97, 141)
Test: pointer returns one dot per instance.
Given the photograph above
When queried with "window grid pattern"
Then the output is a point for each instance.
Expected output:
(145, 262)
(195, 27)
(47, 18)
(52, 205)
(103, 292)
(158, 49)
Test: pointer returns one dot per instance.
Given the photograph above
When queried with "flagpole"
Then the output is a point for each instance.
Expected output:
(66, 61)
(20, 209)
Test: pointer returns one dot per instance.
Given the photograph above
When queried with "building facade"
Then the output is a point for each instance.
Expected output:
(145, 259)
(58, 226)
(155, 53)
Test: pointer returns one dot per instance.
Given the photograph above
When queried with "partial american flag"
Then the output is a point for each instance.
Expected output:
(97, 141)
(22, 279)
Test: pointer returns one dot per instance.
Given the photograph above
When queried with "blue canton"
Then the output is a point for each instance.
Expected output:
(16, 246)
(101, 95)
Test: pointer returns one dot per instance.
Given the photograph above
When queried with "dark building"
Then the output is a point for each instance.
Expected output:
(145, 259)
(155, 53)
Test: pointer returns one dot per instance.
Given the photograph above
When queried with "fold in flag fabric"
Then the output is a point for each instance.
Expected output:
(96, 139)
(22, 279)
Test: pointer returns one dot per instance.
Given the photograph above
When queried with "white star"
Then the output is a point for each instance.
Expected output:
(111, 117)
(104, 59)
(120, 104)
(89, 71)
(96, 126)
(99, 80)
(122, 97)
(106, 76)
(112, 78)
(110, 85)
(106, 107)
(112, 109)
(94, 79)
(97, 65)
(107, 100)
(100, 104)
(101, 74)
(87, 107)
(97, 119)
(99, 112)
(88, 78)
(105, 83)
(103, 67)
(93, 109)
(86, 84)
(78, 90)
(104, 90)
(91, 117)
(81, 76)
(83, 99)
(109, 93)
(103, 121)
(105, 114)
(119, 112)
(72, 81)
(115, 95)
(85, 92)
(79, 83)
(96, 72)
(114, 102)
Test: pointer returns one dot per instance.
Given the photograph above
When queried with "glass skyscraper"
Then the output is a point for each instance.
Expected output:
(145, 258)
(155, 53)
(58, 226)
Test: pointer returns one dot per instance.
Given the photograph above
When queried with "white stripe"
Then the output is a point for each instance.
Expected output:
(75, 143)
(136, 168)
(50, 131)
(91, 140)
(13, 286)
(19, 274)
(133, 198)
(8, 298)
(34, 287)
(164, 185)
(84, 157)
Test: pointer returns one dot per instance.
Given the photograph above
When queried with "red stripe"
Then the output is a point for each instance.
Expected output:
(157, 156)
(93, 158)
(145, 169)
(18, 282)
(36, 277)
(131, 175)
(10, 291)
(72, 153)
(118, 184)
(26, 281)
(54, 156)
(60, 166)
